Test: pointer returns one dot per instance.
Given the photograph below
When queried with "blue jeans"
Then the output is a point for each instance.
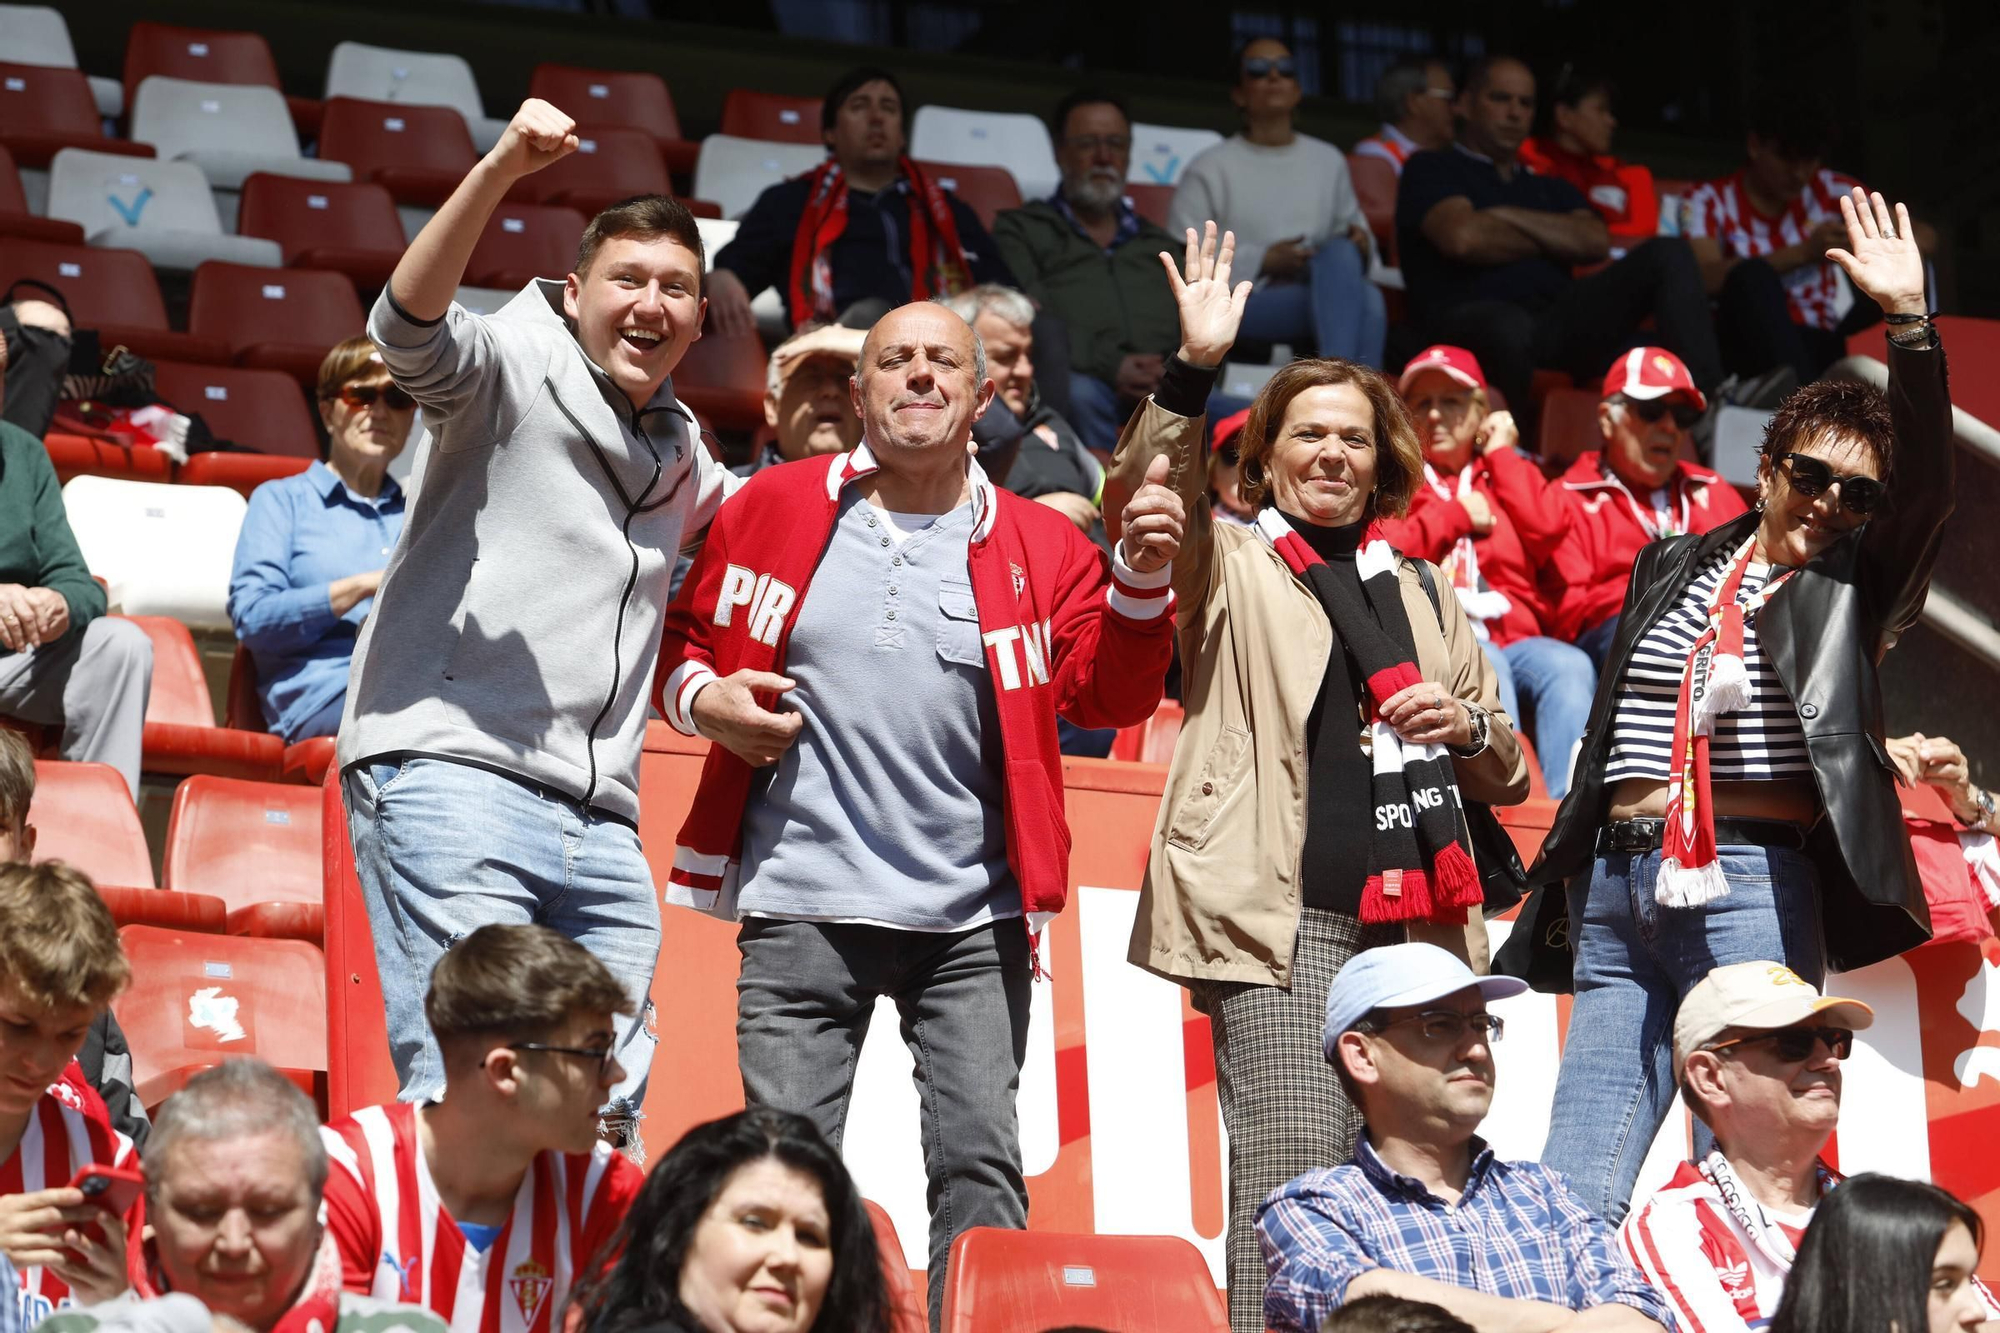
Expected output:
(1336, 309)
(1097, 410)
(1635, 962)
(1596, 641)
(442, 848)
(1558, 679)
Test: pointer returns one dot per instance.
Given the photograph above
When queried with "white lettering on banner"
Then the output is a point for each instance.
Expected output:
(1034, 640)
(737, 585)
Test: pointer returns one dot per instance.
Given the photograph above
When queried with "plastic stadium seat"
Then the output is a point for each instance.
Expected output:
(229, 130)
(208, 55)
(907, 1313)
(161, 550)
(16, 220)
(1152, 741)
(985, 190)
(161, 209)
(412, 78)
(44, 109)
(256, 846)
(1014, 140)
(37, 35)
(1975, 346)
(240, 472)
(1015, 1281)
(197, 1000)
(1151, 202)
(1161, 152)
(733, 171)
(358, 1071)
(88, 456)
(350, 228)
(112, 291)
(282, 318)
(419, 153)
(609, 164)
(523, 242)
(723, 379)
(1568, 426)
(257, 409)
(483, 300)
(181, 737)
(600, 99)
(1375, 187)
(305, 761)
(775, 117)
(83, 814)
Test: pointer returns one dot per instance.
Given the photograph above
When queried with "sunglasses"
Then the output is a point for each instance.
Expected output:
(1684, 414)
(1810, 477)
(1263, 67)
(364, 396)
(1796, 1045)
(1448, 1025)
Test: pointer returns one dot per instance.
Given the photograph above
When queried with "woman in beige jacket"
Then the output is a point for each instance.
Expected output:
(1261, 883)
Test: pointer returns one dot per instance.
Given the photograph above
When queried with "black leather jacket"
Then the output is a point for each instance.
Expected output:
(1823, 635)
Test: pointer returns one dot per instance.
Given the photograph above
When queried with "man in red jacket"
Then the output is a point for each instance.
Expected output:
(1637, 489)
(879, 644)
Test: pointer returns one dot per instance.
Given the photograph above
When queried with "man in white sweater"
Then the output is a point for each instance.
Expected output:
(1298, 225)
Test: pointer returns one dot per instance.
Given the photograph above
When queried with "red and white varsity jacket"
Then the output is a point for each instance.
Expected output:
(1063, 634)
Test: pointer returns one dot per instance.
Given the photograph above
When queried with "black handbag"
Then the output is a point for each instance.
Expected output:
(118, 377)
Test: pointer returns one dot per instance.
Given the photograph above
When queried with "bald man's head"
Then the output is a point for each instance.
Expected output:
(1498, 104)
(921, 382)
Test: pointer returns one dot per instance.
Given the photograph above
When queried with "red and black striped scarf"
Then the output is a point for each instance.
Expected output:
(938, 266)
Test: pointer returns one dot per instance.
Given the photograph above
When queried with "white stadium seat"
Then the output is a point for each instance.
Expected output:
(162, 209)
(1013, 140)
(37, 35)
(768, 306)
(423, 78)
(164, 550)
(1161, 152)
(229, 130)
(733, 172)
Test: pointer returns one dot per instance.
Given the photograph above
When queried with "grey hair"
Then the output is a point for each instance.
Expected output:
(994, 298)
(1399, 83)
(236, 1099)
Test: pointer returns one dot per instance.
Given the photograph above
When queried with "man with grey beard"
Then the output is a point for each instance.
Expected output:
(1088, 258)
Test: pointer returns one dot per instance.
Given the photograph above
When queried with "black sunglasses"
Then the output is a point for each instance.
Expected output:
(1684, 414)
(364, 395)
(1796, 1045)
(1810, 476)
(1262, 67)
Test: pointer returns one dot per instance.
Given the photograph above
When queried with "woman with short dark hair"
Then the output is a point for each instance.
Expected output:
(1883, 1255)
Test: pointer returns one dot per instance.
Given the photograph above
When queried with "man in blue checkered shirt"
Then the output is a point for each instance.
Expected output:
(1425, 1210)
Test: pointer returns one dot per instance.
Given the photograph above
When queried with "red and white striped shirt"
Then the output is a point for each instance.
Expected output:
(1722, 210)
(1390, 144)
(398, 1243)
(68, 1130)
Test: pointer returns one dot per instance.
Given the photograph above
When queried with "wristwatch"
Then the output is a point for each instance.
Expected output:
(1984, 802)
(1482, 727)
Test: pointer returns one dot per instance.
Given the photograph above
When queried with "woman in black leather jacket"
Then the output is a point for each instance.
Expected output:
(1733, 799)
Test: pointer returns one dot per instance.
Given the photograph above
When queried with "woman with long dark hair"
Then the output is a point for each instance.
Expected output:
(1885, 1255)
(750, 1224)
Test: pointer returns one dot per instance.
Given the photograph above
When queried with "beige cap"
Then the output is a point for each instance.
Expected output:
(831, 341)
(1755, 995)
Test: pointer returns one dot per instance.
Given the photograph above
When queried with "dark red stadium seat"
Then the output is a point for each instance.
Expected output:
(418, 153)
(83, 814)
(1568, 426)
(181, 737)
(1006, 1280)
(256, 846)
(779, 117)
(280, 318)
(609, 164)
(164, 908)
(907, 1297)
(985, 190)
(523, 242)
(723, 378)
(1152, 741)
(1975, 354)
(358, 1071)
(85, 456)
(16, 220)
(1150, 201)
(112, 291)
(349, 227)
(306, 760)
(197, 1000)
(242, 473)
(1375, 188)
(208, 55)
(45, 109)
(626, 99)
(257, 409)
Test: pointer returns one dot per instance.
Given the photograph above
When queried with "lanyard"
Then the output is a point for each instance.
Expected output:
(1649, 521)
(1749, 1214)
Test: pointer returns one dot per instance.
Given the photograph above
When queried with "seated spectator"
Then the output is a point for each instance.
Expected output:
(1087, 257)
(1392, 1314)
(1489, 521)
(806, 398)
(1761, 235)
(313, 547)
(1757, 1054)
(1299, 229)
(1638, 488)
(1577, 149)
(1487, 249)
(35, 339)
(1426, 1211)
(525, 1019)
(1884, 1253)
(60, 966)
(750, 1224)
(1414, 97)
(62, 662)
(1225, 474)
(864, 231)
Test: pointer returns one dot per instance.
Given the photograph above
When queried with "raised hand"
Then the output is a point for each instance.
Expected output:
(1153, 521)
(537, 135)
(1881, 257)
(1211, 311)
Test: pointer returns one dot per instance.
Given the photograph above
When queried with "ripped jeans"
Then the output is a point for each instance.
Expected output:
(442, 848)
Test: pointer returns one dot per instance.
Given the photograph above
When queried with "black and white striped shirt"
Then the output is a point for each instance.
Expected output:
(1761, 742)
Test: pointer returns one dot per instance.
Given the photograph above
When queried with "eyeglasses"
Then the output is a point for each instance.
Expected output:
(1810, 476)
(1795, 1045)
(360, 396)
(1090, 143)
(1442, 94)
(1448, 1025)
(605, 1058)
(1263, 67)
(1650, 412)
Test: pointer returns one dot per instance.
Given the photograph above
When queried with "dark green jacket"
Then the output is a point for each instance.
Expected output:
(37, 548)
(1115, 304)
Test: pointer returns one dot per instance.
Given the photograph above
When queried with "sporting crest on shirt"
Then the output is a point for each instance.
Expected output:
(1020, 579)
(1047, 434)
(530, 1284)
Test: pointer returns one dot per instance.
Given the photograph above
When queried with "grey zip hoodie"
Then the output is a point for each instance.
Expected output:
(519, 618)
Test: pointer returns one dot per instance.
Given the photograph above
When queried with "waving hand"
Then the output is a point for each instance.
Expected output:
(1211, 311)
(1881, 257)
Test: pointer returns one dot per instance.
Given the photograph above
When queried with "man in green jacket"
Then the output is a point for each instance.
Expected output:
(61, 661)
(1086, 256)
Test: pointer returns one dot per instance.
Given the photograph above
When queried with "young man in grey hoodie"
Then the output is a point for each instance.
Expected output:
(490, 749)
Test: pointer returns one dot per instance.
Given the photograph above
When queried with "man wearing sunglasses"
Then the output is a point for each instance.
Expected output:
(485, 1206)
(1641, 486)
(1426, 1211)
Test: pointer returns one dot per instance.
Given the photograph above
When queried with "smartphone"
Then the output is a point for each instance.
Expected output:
(114, 1189)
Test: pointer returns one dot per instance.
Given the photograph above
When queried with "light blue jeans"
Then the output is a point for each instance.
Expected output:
(1336, 309)
(1559, 680)
(1635, 962)
(442, 848)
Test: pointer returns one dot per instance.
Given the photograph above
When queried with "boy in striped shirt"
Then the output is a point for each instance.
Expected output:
(486, 1206)
(60, 965)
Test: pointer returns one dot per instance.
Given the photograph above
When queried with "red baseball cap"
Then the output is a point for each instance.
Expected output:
(1227, 429)
(1456, 362)
(1651, 372)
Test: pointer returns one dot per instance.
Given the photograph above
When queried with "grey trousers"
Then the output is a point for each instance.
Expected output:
(803, 1001)
(94, 684)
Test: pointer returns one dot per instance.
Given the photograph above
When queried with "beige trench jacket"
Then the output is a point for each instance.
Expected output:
(1221, 895)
